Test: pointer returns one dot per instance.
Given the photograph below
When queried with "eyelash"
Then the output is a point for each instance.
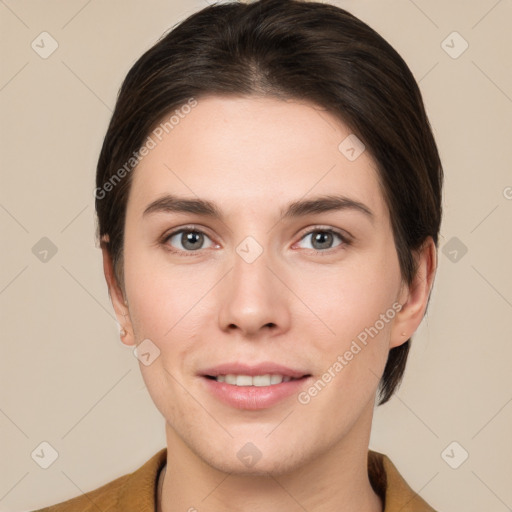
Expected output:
(345, 241)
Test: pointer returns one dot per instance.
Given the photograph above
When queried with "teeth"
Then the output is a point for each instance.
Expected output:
(256, 380)
(266, 380)
(243, 380)
(230, 379)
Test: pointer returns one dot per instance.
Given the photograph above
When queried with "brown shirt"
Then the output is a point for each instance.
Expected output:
(137, 491)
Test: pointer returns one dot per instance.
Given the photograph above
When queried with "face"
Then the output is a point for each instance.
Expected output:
(267, 278)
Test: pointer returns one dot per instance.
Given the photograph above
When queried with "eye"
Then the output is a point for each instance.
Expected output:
(322, 239)
(190, 239)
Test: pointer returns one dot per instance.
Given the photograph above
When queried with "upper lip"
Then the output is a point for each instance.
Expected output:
(263, 368)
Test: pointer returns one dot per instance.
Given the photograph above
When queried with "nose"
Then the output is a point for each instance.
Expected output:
(254, 300)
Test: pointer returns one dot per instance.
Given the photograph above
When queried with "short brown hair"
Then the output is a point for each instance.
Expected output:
(287, 49)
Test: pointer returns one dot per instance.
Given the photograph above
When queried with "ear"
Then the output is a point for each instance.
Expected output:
(116, 295)
(414, 298)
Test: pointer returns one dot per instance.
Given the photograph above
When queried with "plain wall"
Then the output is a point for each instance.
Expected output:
(66, 377)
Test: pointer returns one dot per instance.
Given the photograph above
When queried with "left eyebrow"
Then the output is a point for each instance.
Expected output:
(326, 203)
(296, 209)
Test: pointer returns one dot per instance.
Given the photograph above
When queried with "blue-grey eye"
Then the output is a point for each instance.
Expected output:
(322, 239)
(190, 239)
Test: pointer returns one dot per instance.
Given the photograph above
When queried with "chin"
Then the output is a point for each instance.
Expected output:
(247, 459)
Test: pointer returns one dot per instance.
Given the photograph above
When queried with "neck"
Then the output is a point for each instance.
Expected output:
(339, 476)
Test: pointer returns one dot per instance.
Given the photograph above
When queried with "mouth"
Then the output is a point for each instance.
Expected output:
(253, 387)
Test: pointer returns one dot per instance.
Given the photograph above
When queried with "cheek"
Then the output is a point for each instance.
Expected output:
(351, 326)
(351, 359)
(168, 305)
(343, 301)
(163, 297)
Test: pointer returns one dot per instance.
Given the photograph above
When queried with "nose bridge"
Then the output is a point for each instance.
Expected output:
(250, 268)
(253, 297)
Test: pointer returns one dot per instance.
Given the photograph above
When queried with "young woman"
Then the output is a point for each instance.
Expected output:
(269, 202)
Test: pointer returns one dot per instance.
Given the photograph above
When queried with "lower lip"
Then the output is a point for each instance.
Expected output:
(254, 397)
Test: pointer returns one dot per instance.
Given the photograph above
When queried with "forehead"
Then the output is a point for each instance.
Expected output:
(255, 152)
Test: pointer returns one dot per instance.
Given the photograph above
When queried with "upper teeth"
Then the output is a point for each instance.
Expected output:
(256, 380)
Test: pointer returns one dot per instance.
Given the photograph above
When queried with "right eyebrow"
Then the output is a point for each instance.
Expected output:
(170, 203)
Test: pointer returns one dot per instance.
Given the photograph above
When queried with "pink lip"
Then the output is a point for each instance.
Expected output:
(258, 369)
(254, 397)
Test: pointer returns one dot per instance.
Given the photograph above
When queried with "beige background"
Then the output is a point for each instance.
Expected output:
(69, 381)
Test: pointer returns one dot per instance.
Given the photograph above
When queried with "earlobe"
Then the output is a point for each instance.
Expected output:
(414, 302)
(119, 302)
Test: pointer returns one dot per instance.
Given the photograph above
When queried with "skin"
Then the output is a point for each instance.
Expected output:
(252, 156)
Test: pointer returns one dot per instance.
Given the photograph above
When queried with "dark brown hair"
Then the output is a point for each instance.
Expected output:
(291, 50)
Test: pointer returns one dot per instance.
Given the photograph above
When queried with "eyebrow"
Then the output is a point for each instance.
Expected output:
(169, 203)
